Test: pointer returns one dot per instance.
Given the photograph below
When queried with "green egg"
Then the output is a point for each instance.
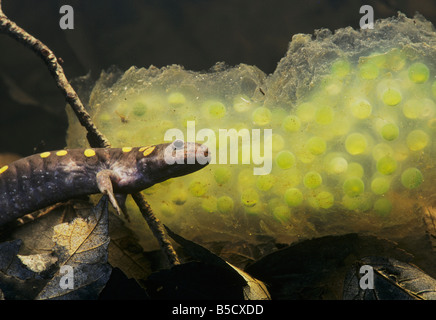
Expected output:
(312, 180)
(105, 118)
(281, 213)
(278, 143)
(390, 131)
(316, 145)
(325, 115)
(382, 207)
(222, 175)
(176, 98)
(122, 109)
(417, 140)
(355, 143)
(197, 188)
(428, 108)
(391, 97)
(411, 178)
(325, 199)
(381, 150)
(412, 108)
(216, 109)
(249, 197)
(225, 204)
(209, 204)
(361, 109)
(333, 87)
(285, 159)
(306, 111)
(380, 185)
(167, 209)
(431, 124)
(353, 187)
(386, 165)
(293, 197)
(355, 169)
(340, 68)
(433, 89)
(368, 71)
(139, 108)
(337, 165)
(261, 116)
(419, 72)
(265, 182)
(291, 123)
(179, 196)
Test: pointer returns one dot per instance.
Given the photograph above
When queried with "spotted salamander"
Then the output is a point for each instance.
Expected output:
(40, 180)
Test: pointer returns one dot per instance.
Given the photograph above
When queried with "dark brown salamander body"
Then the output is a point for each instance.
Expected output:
(37, 181)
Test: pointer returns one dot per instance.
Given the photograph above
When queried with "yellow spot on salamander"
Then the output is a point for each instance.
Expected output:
(148, 150)
(142, 149)
(3, 169)
(89, 153)
(44, 154)
(126, 149)
(61, 153)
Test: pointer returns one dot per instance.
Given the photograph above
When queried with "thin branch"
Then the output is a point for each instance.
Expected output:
(156, 227)
(95, 137)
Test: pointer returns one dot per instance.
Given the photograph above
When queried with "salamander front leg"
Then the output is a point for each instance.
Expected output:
(104, 182)
(121, 200)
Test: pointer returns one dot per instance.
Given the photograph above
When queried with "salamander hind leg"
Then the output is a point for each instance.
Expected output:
(104, 182)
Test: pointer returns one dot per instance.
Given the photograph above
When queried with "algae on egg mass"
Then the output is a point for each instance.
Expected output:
(352, 115)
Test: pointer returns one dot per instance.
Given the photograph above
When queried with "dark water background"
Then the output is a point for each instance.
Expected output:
(192, 33)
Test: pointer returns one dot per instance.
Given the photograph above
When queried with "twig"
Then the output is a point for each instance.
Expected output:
(9, 27)
(156, 227)
(95, 137)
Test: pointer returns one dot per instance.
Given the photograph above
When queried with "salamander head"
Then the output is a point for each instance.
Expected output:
(174, 159)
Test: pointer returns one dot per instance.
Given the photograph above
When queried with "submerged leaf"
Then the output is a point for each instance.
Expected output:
(430, 223)
(38, 262)
(315, 269)
(81, 247)
(16, 280)
(255, 289)
(391, 280)
(37, 235)
(209, 277)
(125, 252)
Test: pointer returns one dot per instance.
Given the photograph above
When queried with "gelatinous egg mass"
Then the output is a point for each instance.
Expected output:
(352, 136)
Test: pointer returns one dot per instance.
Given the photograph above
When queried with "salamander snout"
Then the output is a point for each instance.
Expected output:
(198, 151)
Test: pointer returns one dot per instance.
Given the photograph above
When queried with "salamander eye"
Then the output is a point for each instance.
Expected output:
(178, 144)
